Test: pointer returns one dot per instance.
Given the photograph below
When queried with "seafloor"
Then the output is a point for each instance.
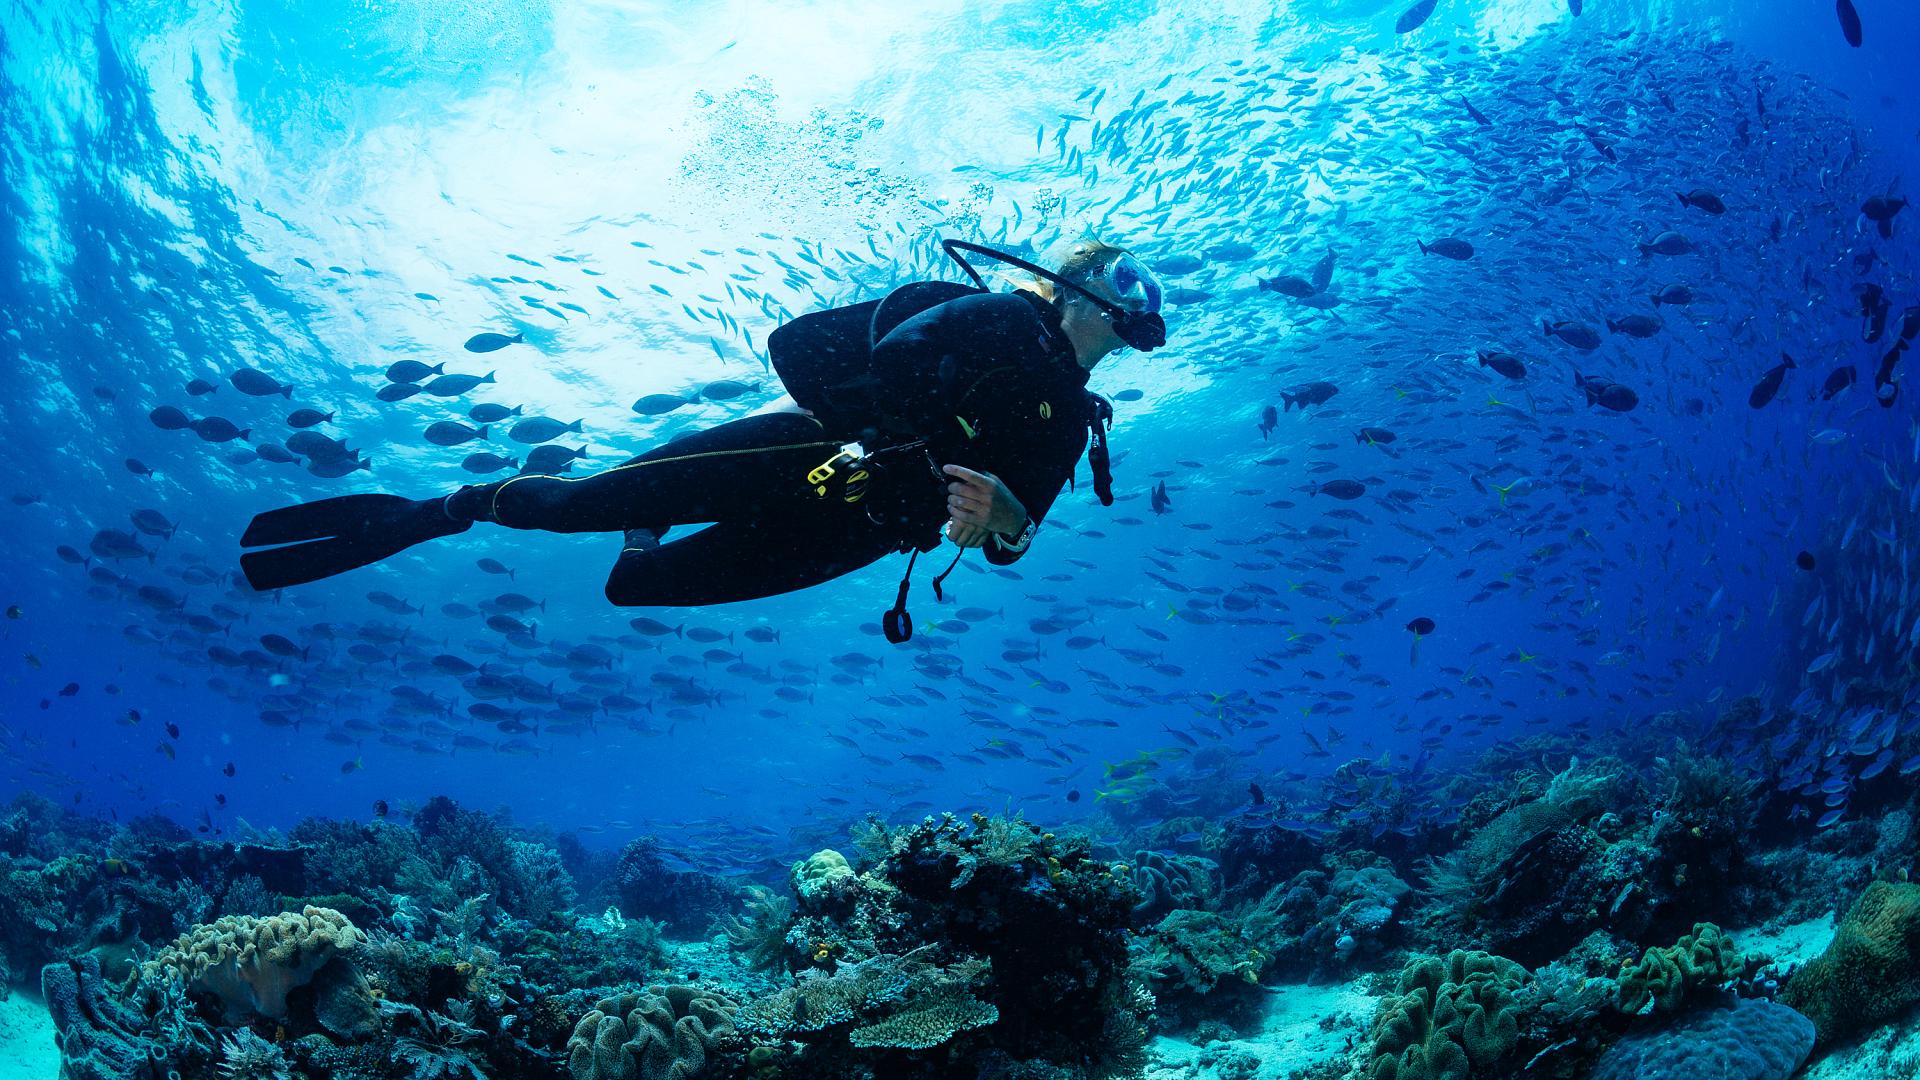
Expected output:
(1652, 911)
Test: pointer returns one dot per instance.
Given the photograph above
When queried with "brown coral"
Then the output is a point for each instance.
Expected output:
(664, 1033)
(251, 962)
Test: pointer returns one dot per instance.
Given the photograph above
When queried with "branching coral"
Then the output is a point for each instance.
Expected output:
(246, 1056)
(251, 963)
(440, 1049)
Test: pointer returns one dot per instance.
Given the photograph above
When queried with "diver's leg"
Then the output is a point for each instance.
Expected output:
(748, 559)
(737, 470)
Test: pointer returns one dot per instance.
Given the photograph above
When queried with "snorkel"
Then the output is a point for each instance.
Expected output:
(1144, 330)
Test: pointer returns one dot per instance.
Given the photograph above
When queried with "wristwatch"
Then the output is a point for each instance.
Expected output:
(1016, 541)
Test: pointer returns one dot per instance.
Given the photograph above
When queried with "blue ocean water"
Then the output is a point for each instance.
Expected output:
(643, 192)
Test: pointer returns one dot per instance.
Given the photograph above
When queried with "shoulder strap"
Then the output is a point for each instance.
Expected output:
(909, 300)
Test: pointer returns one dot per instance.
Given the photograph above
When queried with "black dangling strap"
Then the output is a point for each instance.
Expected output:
(937, 594)
(1098, 458)
(896, 623)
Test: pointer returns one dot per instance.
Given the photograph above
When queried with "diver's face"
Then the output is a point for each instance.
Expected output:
(1100, 339)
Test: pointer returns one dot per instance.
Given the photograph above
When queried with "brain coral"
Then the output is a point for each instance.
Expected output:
(1870, 971)
(664, 1033)
(1754, 1040)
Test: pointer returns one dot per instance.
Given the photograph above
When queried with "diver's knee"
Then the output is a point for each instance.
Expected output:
(622, 593)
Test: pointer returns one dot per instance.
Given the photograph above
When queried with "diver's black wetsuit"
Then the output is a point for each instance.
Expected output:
(988, 380)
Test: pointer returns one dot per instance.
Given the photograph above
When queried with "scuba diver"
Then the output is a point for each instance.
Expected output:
(938, 404)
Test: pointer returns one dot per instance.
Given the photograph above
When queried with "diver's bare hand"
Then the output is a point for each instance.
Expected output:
(967, 536)
(980, 499)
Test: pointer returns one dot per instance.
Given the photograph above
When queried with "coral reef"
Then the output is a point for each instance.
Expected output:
(1870, 971)
(649, 882)
(1168, 881)
(99, 1037)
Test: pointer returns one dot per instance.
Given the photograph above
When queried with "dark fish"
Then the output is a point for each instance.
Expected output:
(399, 391)
(1849, 22)
(1340, 489)
(489, 413)
(1374, 436)
(168, 418)
(1505, 363)
(1666, 243)
(153, 523)
(1288, 285)
(1600, 143)
(306, 418)
(280, 646)
(1607, 395)
(483, 464)
(218, 429)
(1478, 116)
(1450, 247)
(661, 404)
(138, 467)
(1323, 271)
(1702, 199)
(1769, 383)
(1804, 560)
(411, 371)
(257, 384)
(1881, 210)
(1579, 335)
(228, 770)
(552, 457)
(450, 433)
(1269, 419)
(1839, 381)
(1313, 393)
(1673, 294)
(1640, 326)
(1421, 626)
(1874, 309)
(485, 343)
(726, 390)
(1158, 497)
(312, 444)
(201, 386)
(453, 385)
(1412, 18)
(494, 566)
(540, 429)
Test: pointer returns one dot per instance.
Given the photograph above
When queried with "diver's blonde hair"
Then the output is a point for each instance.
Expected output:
(1078, 265)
